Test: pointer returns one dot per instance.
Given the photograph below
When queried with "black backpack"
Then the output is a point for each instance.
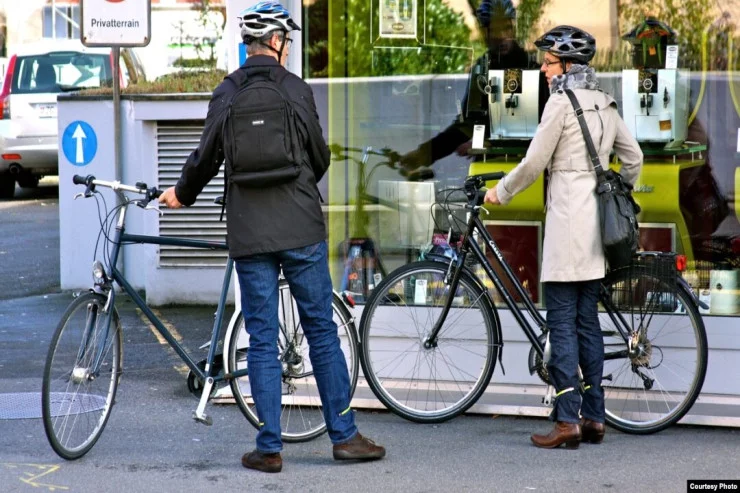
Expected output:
(260, 137)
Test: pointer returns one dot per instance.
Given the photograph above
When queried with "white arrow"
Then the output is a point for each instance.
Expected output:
(78, 135)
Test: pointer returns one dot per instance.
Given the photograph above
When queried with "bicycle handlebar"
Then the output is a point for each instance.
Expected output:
(393, 160)
(141, 188)
(473, 185)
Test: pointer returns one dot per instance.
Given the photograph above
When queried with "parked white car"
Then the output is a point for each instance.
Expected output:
(35, 75)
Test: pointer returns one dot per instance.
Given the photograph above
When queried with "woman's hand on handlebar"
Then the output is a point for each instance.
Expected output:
(491, 197)
(169, 199)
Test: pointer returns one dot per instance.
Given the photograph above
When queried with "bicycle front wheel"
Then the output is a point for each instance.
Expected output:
(301, 418)
(654, 367)
(81, 376)
(436, 383)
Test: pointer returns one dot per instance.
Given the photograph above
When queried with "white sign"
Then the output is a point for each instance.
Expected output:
(478, 133)
(116, 22)
(671, 56)
(398, 18)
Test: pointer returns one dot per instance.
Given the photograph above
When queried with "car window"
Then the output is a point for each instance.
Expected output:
(60, 72)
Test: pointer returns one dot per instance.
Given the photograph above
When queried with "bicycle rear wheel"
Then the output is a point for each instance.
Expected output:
(81, 376)
(434, 384)
(301, 418)
(653, 385)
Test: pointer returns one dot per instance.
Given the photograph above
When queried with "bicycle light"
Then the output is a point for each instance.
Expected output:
(98, 272)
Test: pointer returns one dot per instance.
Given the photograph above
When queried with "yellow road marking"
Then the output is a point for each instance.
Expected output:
(182, 369)
(37, 471)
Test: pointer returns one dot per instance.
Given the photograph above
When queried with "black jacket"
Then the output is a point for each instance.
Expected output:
(269, 219)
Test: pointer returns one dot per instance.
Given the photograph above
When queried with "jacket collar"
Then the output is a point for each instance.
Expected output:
(260, 60)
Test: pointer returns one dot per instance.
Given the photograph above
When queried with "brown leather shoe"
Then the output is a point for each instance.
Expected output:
(358, 448)
(563, 433)
(263, 462)
(592, 431)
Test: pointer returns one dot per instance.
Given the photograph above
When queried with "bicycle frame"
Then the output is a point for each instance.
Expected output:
(119, 238)
(475, 226)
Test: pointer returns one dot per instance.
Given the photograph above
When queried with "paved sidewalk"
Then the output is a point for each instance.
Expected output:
(152, 444)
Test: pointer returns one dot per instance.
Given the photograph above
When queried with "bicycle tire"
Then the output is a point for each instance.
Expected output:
(650, 390)
(301, 418)
(428, 385)
(75, 404)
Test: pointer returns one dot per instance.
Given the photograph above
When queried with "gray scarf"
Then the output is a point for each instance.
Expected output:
(578, 77)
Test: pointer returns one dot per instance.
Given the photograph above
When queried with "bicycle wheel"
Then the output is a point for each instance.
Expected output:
(301, 418)
(428, 385)
(77, 392)
(652, 386)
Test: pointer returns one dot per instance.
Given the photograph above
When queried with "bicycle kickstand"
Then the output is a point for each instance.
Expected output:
(199, 414)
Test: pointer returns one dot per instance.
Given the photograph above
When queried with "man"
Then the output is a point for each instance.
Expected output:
(497, 22)
(274, 227)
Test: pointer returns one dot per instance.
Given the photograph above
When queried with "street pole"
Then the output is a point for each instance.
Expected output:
(117, 111)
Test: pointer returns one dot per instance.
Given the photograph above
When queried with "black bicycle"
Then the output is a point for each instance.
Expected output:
(85, 359)
(430, 333)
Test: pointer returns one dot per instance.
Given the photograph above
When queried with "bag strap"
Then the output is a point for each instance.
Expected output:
(600, 175)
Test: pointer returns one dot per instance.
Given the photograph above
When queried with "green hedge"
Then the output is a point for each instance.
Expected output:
(177, 82)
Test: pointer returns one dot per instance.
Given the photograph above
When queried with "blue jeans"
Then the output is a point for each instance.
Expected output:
(575, 339)
(307, 271)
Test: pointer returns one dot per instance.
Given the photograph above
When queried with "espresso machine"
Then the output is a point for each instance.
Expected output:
(513, 103)
(655, 105)
(655, 93)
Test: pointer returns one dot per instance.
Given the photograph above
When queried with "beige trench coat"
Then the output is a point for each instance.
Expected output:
(572, 249)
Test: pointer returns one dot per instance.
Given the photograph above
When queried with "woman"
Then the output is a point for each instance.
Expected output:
(573, 260)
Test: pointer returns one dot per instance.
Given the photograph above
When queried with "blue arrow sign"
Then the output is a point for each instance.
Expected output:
(79, 143)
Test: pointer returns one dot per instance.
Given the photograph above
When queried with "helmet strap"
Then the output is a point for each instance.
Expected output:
(280, 51)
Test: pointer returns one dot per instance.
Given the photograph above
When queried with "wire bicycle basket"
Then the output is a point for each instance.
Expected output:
(649, 286)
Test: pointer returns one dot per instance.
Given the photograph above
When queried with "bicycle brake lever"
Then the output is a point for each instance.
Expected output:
(79, 195)
(154, 208)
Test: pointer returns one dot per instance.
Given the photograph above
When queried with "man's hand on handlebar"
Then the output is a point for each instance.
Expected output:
(169, 199)
(463, 149)
(412, 160)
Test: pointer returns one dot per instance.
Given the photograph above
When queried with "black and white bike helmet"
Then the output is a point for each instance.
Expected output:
(568, 43)
(264, 17)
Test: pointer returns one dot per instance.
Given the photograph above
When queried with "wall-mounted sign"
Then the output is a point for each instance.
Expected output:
(398, 18)
(79, 143)
(116, 22)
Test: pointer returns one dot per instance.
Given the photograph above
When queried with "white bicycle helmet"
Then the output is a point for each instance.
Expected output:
(568, 43)
(264, 17)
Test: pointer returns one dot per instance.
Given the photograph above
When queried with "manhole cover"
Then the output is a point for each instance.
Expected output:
(26, 405)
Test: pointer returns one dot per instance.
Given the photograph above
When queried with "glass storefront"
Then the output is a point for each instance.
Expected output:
(411, 78)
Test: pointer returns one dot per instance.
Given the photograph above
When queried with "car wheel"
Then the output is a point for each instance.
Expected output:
(7, 186)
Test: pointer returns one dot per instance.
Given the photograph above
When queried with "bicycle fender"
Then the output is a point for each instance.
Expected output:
(685, 285)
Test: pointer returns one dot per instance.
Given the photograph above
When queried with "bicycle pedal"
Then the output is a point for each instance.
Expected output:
(203, 419)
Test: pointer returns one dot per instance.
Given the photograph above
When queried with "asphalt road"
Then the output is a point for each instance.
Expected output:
(29, 241)
(151, 443)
